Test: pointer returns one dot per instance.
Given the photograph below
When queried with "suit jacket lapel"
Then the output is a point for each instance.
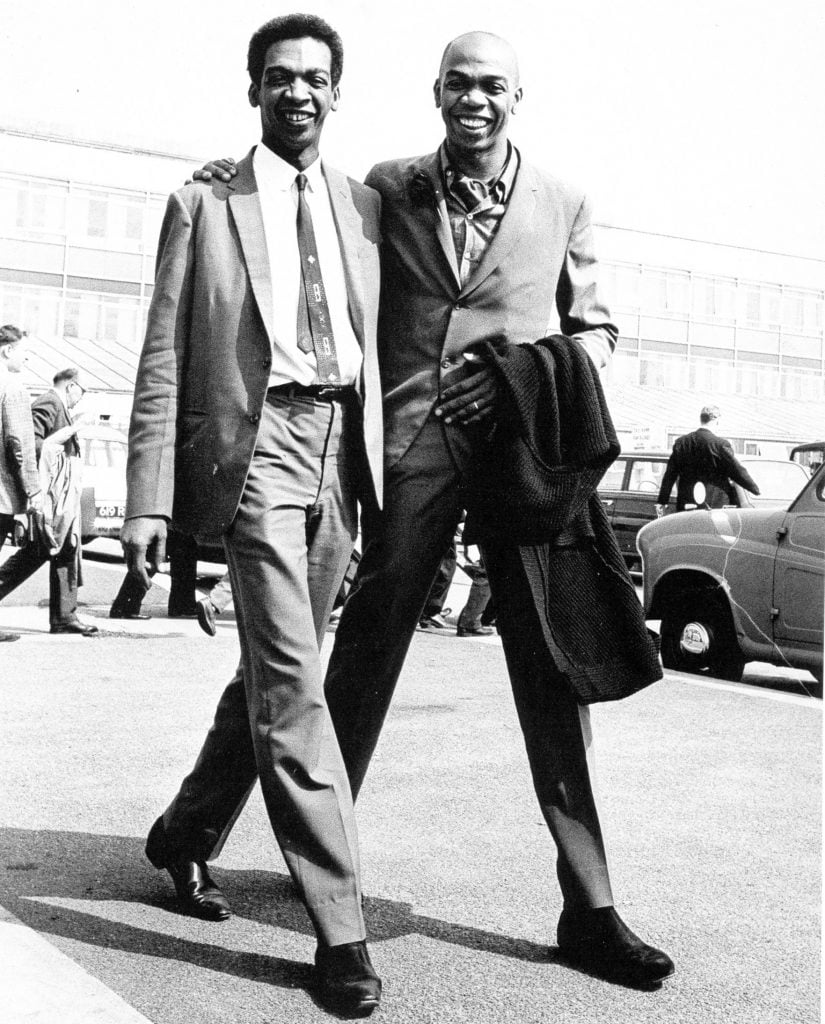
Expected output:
(515, 224)
(245, 205)
(351, 240)
(431, 167)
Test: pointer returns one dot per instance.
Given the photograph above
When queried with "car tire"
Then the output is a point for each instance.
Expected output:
(698, 636)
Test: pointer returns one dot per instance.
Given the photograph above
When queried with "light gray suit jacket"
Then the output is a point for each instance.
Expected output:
(18, 465)
(204, 369)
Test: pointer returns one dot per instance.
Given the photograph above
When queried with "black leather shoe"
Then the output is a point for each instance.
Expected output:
(601, 943)
(474, 631)
(347, 982)
(197, 891)
(206, 616)
(116, 613)
(74, 626)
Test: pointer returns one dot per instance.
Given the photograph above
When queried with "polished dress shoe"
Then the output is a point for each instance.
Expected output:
(347, 982)
(474, 631)
(601, 943)
(197, 891)
(207, 614)
(74, 626)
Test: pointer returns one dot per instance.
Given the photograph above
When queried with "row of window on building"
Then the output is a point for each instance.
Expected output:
(77, 262)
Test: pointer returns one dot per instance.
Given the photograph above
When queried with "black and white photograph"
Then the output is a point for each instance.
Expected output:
(412, 512)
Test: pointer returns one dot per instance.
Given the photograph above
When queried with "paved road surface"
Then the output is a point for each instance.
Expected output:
(710, 796)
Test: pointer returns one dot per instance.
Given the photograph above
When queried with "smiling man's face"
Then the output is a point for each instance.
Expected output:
(477, 91)
(295, 95)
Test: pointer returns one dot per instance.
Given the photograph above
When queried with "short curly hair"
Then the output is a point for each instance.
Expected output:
(294, 26)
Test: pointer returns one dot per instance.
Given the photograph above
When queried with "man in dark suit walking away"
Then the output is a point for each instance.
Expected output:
(703, 457)
(53, 424)
(257, 419)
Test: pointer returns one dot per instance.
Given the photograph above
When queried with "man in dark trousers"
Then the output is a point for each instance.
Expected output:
(477, 242)
(20, 489)
(703, 457)
(52, 420)
(257, 419)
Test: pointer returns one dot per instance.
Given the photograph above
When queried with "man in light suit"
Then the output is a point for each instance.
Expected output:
(257, 418)
(20, 489)
(477, 244)
(703, 457)
(53, 422)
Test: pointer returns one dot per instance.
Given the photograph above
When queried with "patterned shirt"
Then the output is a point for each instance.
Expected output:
(473, 229)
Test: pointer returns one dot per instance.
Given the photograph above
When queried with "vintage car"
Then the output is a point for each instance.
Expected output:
(630, 488)
(102, 503)
(733, 585)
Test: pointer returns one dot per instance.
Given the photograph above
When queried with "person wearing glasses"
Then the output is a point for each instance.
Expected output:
(58, 457)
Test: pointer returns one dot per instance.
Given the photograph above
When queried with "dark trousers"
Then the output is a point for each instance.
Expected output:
(63, 572)
(441, 584)
(402, 550)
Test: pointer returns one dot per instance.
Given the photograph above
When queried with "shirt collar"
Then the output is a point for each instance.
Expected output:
(501, 186)
(280, 175)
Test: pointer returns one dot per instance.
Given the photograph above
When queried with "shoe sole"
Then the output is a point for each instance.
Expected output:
(616, 977)
(361, 1009)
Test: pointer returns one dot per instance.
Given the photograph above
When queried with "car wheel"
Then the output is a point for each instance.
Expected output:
(698, 636)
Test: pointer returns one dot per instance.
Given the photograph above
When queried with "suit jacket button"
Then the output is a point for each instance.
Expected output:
(446, 363)
(253, 418)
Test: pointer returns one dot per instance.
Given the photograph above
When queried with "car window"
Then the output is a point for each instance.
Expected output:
(612, 479)
(776, 479)
(646, 476)
(104, 453)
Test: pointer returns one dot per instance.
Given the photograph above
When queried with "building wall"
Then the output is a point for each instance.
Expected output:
(78, 231)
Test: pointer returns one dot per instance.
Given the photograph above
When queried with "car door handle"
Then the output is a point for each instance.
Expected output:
(607, 502)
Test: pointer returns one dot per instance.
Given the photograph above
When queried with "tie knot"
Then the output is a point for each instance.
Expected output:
(301, 181)
(470, 191)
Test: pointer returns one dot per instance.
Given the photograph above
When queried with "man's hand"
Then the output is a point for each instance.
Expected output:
(223, 169)
(142, 538)
(471, 400)
(660, 510)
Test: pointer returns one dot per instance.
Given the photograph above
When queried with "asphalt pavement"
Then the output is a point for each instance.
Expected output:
(709, 792)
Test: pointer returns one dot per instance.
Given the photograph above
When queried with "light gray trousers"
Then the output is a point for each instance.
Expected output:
(287, 550)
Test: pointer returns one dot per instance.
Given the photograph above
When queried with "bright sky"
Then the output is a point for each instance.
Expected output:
(703, 118)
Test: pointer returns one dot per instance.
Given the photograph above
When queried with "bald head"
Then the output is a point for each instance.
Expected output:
(477, 91)
(482, 47)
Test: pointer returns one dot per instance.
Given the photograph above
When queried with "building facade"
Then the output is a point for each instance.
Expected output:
(699, 321)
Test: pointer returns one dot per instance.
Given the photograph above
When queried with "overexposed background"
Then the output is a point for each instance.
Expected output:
(703, 119)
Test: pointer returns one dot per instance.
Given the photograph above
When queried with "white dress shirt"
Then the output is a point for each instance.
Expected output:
(279, 208)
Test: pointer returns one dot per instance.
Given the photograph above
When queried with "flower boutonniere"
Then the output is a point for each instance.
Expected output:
(422, 191)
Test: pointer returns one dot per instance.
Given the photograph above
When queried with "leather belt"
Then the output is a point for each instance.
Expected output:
(318, 392)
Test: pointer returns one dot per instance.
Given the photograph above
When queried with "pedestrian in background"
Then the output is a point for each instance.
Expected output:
(702, 456)
(20, 489)
(60, 468)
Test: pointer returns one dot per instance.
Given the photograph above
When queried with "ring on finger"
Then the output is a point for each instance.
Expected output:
(475, 406)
